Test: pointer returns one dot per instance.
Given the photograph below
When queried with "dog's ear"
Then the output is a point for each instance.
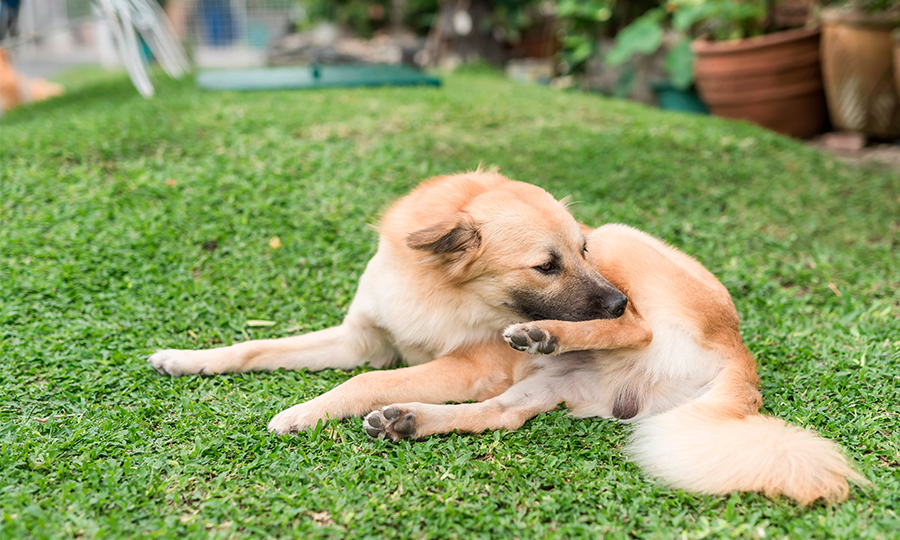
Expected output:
(447, 237)
(453, 245)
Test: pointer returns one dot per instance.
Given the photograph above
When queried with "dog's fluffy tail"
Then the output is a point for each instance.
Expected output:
(698, 448)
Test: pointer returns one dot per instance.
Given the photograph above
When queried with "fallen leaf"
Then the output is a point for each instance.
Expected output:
(275, 242)
(322, 518)
(171, 182)
(256, 322)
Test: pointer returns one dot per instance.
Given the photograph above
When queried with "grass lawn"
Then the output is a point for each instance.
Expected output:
(130, 225)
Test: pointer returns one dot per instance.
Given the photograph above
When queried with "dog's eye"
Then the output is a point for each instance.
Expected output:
(547, 268)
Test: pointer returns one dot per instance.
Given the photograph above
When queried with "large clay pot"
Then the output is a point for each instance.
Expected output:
(896, 35)
(858, 65)
(773, 80)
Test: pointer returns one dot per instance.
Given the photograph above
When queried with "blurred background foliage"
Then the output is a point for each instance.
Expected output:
(578, 23)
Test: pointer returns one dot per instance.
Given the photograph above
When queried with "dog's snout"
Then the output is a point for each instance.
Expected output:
(616, 305)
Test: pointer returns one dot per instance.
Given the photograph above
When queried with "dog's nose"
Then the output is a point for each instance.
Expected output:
(616, 305)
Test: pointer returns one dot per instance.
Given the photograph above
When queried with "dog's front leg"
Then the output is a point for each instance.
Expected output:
(509, 411)
(476, 374)
(355, 342)
(556, 337)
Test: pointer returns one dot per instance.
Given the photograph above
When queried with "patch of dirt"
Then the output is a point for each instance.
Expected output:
(882, 155)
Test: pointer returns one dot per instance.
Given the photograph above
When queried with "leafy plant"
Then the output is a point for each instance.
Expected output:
(364, 17)
(509, 18)
(582, 24)
(645, 36)
(719, 19)
(419, 15)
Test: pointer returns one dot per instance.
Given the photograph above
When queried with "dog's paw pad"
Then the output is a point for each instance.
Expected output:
(530, 339)
(392, 423)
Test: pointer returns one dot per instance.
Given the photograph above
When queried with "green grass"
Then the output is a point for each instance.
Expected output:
(103, 261)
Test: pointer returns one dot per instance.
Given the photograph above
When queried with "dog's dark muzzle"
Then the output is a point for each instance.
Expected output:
(584, 299)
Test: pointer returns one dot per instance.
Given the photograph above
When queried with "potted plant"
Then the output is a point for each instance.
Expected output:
(748, 68)
(858, 66)
(740, 71)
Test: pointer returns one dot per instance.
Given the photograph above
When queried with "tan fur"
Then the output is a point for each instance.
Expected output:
(456, 258)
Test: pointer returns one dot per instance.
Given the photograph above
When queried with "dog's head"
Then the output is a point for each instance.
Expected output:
(520, 250)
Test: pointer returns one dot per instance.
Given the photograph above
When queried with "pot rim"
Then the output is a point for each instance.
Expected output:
(882, 21)
(705, 47)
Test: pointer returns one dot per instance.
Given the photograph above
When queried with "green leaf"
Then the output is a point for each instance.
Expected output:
(643, 36)
(574, 41)
(582, 52)
(566, 8)
(680, 65)
(255, 323)
(684, 18)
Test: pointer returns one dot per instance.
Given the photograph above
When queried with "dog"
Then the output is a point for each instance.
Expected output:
(459, 259)
(617, 325)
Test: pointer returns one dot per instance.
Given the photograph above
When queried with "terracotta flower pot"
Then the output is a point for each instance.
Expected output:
(896, 35)
(858, 66)
(772, 80)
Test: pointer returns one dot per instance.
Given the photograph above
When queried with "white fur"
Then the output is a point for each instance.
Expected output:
(688, 448)
(669, 372)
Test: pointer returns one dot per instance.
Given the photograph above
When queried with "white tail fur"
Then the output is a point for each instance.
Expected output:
(696, 448)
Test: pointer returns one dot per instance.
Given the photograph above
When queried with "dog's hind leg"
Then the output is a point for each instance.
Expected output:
(355, 342)
(509, 411)
(478, 374)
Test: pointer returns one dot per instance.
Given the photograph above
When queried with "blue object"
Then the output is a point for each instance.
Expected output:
(670, 98)
(9, 18)
(218, 22)
(258, 36)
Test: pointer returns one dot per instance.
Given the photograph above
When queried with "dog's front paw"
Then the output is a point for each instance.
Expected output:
(530, 338)
(393, 423)
(176, 362)
(296, 419)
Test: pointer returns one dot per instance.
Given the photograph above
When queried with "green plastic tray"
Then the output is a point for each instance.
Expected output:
(314, 77)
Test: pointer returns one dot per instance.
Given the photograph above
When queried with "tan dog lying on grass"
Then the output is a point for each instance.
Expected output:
(620, 326)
